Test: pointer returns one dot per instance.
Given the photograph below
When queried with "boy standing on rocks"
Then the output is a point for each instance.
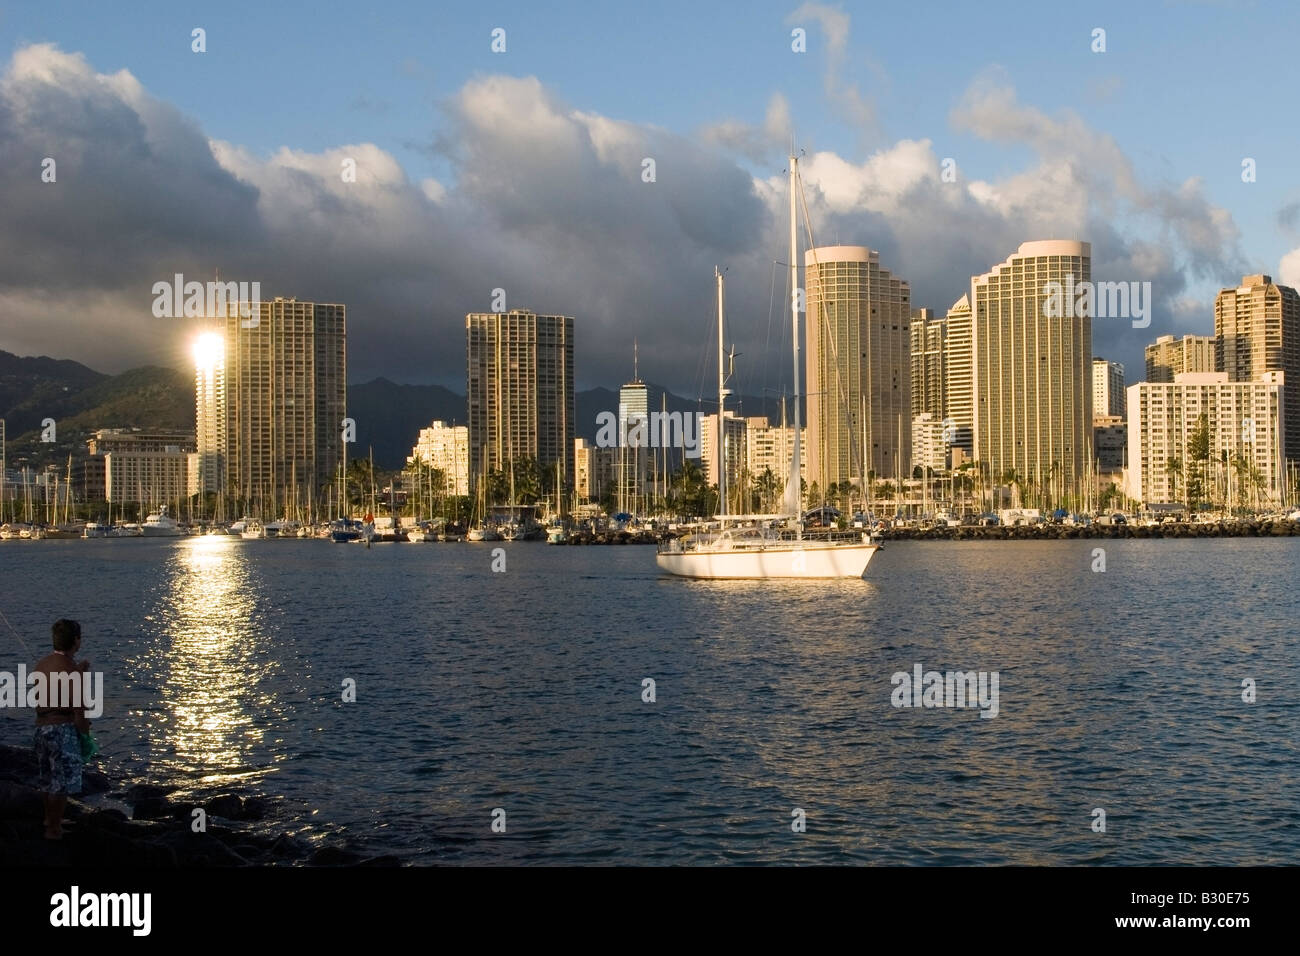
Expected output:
(59, 725)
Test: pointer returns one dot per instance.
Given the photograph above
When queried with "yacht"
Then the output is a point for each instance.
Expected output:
(343, 530)
(754, 552)
(160, 525)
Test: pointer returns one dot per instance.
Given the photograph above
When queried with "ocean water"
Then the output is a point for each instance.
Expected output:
(523, 691)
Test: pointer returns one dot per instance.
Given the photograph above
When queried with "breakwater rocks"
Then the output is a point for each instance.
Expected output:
(612, 537)
(1261, 528)
(1055, 532)
(159, 832)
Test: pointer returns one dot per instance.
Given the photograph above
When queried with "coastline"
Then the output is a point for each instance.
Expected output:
(158, 832)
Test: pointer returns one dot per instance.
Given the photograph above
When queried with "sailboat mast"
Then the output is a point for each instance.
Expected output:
(722, 396)
(793, 496)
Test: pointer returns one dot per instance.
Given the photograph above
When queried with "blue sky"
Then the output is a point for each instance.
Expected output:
(1185, 90)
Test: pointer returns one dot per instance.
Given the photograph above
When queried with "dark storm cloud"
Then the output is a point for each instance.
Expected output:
(550, 204)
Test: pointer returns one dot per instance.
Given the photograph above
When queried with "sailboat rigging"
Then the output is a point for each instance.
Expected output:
(750, 549)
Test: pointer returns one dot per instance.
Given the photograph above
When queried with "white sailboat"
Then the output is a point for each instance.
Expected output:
(753, 550)
(482, 530)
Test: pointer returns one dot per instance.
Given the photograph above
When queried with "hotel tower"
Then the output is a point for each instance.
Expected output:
(270, 405)
(1257, 330)
(1032, 372)
(859, 366)
(519, 378)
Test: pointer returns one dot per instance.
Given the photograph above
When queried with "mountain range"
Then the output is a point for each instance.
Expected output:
(389, 416)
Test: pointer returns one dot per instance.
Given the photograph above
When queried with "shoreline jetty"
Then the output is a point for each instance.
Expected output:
(1047, 531)
(1243, 528)
(1262, 528)
(158, 832)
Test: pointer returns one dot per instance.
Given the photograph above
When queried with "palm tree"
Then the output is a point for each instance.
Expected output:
(498, 486)
(767, 487)
(1012, 480)
(694, 495)
(361, 475)
(1221, 481)
(528, 479)
(814, 496)
(1198, 448)
(1173, 468)
(1053, 473)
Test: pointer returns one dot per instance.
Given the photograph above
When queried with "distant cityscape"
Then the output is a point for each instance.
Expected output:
(997, 403)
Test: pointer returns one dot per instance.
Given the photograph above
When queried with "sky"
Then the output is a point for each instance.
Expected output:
(522, 170)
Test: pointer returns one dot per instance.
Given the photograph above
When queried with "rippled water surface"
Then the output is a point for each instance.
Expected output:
(225, 661)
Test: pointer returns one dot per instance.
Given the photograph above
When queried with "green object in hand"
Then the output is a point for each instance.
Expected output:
(89, 745)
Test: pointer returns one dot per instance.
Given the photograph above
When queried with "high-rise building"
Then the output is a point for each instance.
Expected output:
(271, 396)
(734, 435)
(1167, 356)
(1032, 379)
(519, 377)
(772, 446)
(595, 469)
(929, 365)
(1107, 388)
(941, 377)
(1109, 442)
(148, 468)
(445, 447)
(1244, 424)
(928, 447)
(859, 369)
(959, 384)
(1257, 330)
(635, 456)
(209, 413)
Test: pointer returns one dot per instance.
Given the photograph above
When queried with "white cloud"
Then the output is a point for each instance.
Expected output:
(546, 201)
(1289, 269)
(835, 25)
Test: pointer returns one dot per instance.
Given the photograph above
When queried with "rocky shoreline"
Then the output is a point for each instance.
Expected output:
(158, 832)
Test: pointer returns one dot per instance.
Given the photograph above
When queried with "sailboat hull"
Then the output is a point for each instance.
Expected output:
(811, 560)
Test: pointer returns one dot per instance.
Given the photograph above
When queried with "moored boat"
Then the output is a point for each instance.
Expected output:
(749, 549)
(160, 525)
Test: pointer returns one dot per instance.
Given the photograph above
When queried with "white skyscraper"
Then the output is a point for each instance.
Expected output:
(1107, 388)
(1032, 383)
